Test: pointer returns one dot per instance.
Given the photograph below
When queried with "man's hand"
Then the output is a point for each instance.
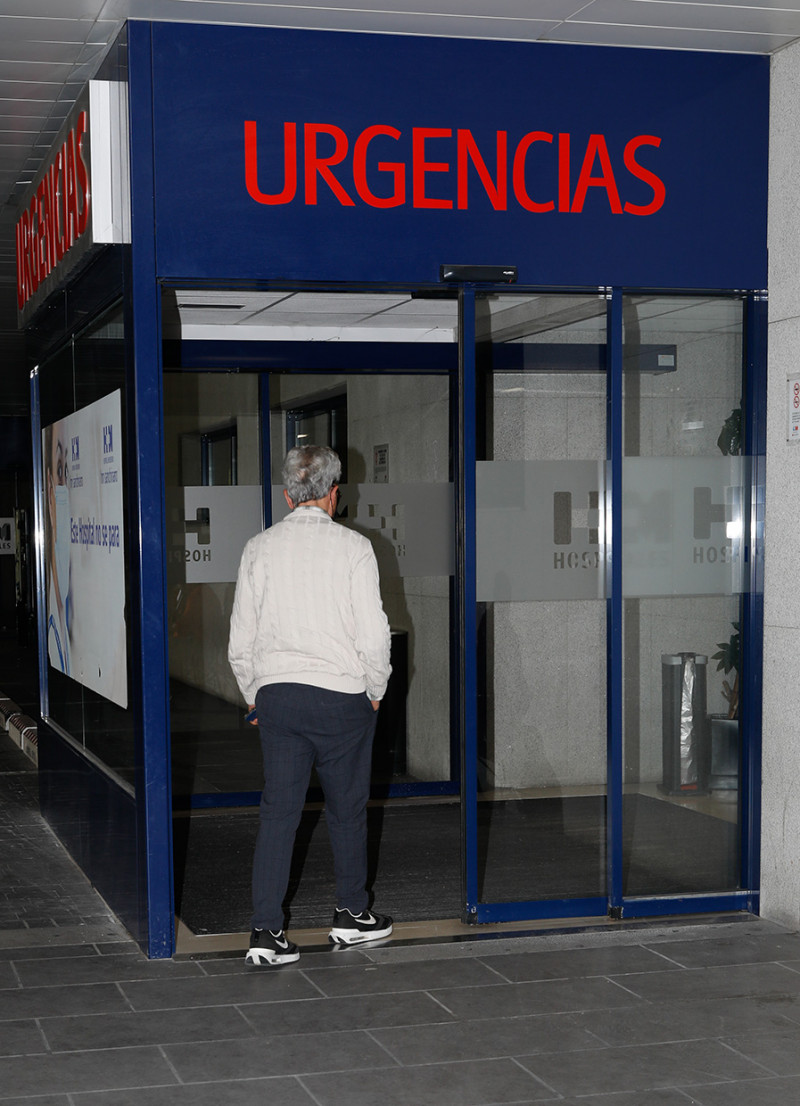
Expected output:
(375, 703)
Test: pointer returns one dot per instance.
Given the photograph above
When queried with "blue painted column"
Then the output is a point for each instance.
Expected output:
(153, 781)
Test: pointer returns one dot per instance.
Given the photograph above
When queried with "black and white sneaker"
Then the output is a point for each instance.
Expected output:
(353, 929)
(268, 947)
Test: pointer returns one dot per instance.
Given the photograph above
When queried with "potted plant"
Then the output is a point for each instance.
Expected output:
(728, 660)
(725, 727)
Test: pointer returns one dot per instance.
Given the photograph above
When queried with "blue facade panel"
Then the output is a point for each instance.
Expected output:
(306, 155)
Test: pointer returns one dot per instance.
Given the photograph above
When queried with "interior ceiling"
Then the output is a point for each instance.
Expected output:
(50, 48)
(210, 314)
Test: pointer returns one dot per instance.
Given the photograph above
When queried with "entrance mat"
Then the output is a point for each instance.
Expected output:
(528, 849)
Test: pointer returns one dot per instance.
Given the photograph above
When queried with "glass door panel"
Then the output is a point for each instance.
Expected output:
(683, 573)
(541, 760)
(393, 433)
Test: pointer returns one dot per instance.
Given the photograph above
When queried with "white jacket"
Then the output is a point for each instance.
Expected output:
(308, 609)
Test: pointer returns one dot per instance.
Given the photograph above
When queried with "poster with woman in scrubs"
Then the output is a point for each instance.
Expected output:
(86, 631)
(57, 545)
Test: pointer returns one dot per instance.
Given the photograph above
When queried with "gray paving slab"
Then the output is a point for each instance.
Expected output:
(40, 1002)
(84, 1071)
(76, 971)
(278, 1091)
(697, 984)
(778, 1050)
(89, 1031)
(347, 1050)
(471, 1083)
(423, 975)
(270, 985)
(641, 1067)
(374, 1012)
(660, 1023)
(21, 1038)
(739, 949)
(572, 963)
(552, 996)
(757, 1092)
(486, 1038)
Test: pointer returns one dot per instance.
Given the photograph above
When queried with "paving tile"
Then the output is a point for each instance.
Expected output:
(117, 948)
(555, 996)
(472, 1083)
(215, 1023)
(778, 1051)
(46, 952)
(249, 1059)
(484, 1039)
(21, 1038)
(759, 1092)
(101, 969)
(8, 977)
(84, 1071)
(42, 1002)
(266, 985)
(321, 1015)
(683, 1021)
(40, 1100)
(574, 963)
(245, 1092)
(747, 949)
(641, 1067)
(696, 984)
(421, 976)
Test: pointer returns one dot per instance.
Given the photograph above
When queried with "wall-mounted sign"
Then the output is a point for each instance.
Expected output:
(328, 156)
(80, 199)
(793, 399)
(83, 537)
(380, 464)
(7, 535)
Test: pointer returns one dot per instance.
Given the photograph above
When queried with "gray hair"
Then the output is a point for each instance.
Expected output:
(310, 471)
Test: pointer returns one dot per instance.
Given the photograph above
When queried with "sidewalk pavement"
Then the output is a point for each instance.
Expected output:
(703, 1011)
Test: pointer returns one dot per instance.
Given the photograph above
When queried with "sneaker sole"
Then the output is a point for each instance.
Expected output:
(359, 937)
(257, 957)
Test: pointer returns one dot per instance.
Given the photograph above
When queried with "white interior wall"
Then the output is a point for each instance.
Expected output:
(780, 862)
(200, 613)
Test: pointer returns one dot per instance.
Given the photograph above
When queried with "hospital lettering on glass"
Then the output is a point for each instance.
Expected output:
(441, 168)
(57, 215)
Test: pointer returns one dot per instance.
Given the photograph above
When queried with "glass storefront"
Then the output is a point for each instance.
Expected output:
(548, 830)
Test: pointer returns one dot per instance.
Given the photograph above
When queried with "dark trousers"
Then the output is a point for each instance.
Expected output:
(303, 727)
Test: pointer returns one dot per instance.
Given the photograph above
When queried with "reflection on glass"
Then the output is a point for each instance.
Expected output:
(214, 505)
(542, 649)
(683, 576)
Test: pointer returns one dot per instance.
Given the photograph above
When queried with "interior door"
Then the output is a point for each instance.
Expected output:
(535, 694)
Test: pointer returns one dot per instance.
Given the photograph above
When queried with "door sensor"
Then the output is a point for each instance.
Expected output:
(479, 274)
